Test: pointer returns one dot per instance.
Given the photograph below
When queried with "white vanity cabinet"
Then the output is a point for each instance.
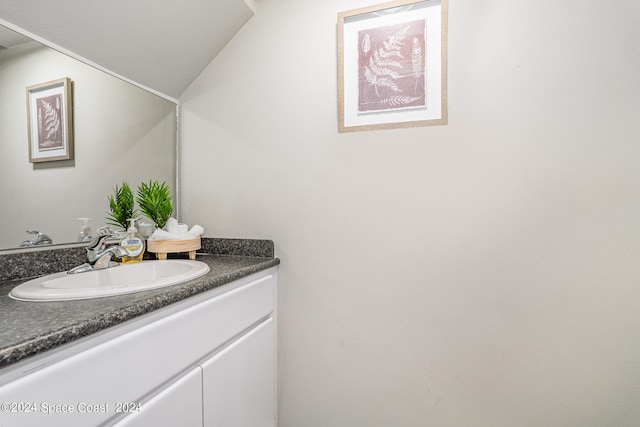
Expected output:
(238, 382)
(207, 360)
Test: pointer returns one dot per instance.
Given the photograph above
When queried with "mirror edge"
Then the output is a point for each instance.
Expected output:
(12, 251)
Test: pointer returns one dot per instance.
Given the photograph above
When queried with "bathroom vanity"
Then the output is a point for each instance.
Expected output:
(201, 353)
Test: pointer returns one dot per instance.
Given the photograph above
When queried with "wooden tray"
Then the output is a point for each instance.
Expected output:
(162, 247)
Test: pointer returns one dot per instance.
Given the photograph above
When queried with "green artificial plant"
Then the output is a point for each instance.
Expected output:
(121, 204)
(155, 202)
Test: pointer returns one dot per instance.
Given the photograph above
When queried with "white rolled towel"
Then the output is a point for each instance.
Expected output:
(175, 231)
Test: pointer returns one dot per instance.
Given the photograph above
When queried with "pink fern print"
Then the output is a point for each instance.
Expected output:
(391, 67)
(50, 123)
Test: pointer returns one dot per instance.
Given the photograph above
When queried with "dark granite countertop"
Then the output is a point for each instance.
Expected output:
(29, 328)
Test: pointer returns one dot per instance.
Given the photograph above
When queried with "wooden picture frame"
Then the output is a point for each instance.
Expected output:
(50, 121)
(392, 65)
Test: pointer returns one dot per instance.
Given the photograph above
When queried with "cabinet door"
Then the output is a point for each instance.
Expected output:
(180, 404)
(239, 381)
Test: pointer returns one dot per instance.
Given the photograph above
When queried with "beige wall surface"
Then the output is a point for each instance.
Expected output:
(482, 273)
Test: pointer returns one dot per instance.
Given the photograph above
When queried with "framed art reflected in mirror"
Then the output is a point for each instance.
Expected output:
(50, 121)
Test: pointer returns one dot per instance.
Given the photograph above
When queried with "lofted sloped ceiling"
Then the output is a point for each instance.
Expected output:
(159, 44)
(10, 38)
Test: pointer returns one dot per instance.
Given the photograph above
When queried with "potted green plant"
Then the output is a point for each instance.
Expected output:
(155, 202)
(121, 205)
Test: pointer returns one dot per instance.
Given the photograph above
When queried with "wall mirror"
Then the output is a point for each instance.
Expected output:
(120, 131)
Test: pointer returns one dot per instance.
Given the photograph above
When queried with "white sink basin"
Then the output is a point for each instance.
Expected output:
(123, 279)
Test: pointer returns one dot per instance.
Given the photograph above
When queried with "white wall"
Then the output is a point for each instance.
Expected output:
(120, 131)
(484, 273)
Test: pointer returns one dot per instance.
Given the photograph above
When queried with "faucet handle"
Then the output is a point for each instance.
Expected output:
(96, 247)
(41, 238)
(98, 243)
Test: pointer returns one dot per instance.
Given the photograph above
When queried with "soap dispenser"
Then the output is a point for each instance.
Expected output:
(85, 231)
(133, 243)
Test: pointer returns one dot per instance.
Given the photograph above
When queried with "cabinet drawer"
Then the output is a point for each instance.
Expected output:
(180, 404)
(126, 368)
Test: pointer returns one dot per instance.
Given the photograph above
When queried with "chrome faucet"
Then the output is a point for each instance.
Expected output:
(39, 239)
(99, 255)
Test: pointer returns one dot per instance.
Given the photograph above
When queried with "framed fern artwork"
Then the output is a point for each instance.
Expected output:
(50, 121)
(392, 66)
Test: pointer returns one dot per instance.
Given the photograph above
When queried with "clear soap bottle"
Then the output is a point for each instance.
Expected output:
(85, 231)
(133, 243)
